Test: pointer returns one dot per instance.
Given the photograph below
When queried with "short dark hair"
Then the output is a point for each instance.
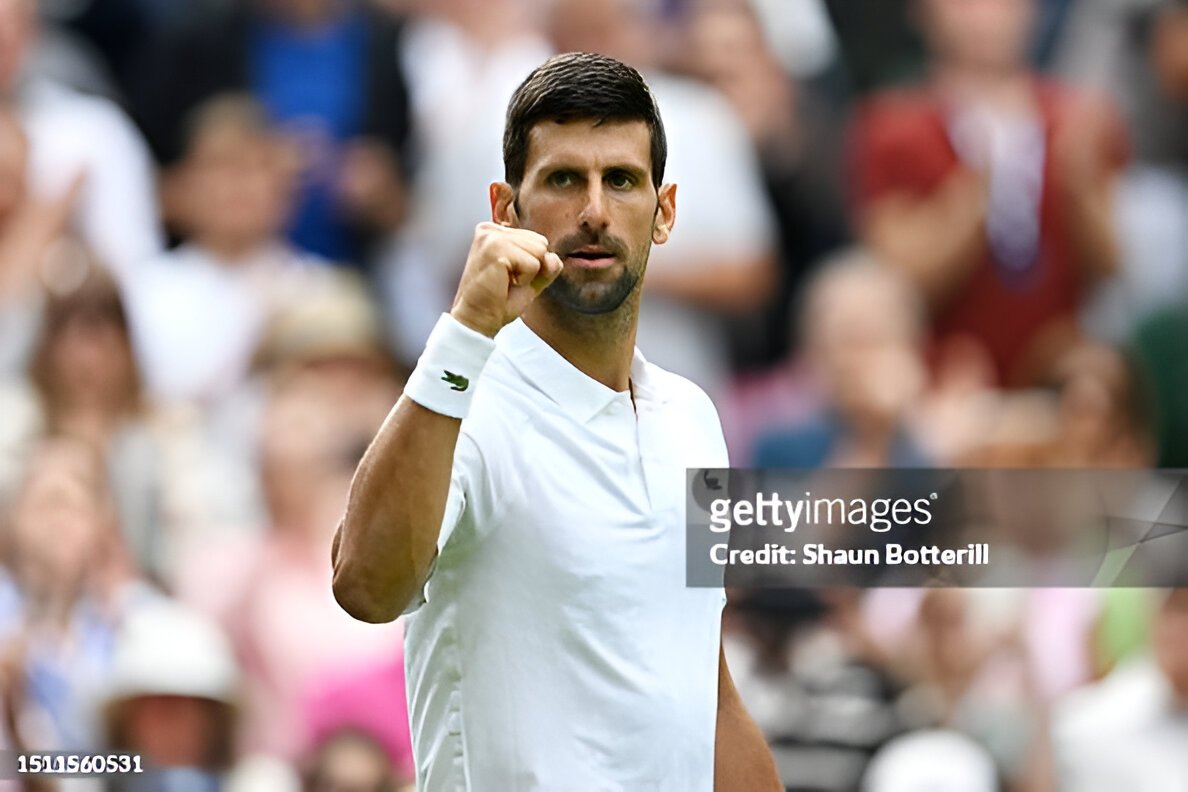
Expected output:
(579, 85)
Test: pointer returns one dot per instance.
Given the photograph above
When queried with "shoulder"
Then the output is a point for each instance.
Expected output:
(690, 417)
(681, 391)
(55, 111)
(905, 103)
(898, 115)
(46, 97)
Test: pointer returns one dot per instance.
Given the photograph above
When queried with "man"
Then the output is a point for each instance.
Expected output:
(990, 189)
(328, 73)
(556, 646)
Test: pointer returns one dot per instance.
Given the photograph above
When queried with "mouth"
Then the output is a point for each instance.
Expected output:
(590, 257)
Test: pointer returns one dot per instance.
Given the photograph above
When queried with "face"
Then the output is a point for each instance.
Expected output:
(352, 764)
(861, 339)
(238, 186)
(92, 359)
(588, 189)
(56, 526)
(172, 731)
(983, 33)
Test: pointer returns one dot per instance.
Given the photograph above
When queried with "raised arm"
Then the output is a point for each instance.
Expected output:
(387, 539)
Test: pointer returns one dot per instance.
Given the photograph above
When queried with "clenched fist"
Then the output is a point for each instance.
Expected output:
(505, 270)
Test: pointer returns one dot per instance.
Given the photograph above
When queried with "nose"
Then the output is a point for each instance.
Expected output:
(593, 215)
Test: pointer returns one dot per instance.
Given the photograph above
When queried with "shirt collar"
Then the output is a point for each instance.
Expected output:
(580, 395)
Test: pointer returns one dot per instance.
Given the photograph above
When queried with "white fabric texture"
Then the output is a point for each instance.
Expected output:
(558, 646)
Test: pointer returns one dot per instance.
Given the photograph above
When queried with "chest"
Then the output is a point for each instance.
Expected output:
(603, 503)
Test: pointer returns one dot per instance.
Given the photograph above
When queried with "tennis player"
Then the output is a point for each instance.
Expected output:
(525, 499)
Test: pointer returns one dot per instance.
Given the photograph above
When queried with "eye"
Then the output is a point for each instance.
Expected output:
(562, 179)
(620, 180)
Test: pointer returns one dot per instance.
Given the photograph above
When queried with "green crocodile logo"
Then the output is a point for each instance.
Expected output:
(457, 381)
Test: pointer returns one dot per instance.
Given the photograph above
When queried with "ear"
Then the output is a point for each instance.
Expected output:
(503, 204)
(665, 213)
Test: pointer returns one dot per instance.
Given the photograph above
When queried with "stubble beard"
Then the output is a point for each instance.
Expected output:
(588, 292)
(596, 309)
(575, 291)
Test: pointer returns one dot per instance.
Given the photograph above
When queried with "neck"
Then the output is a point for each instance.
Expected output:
(965, 82)
(230, 250)
(600, 346)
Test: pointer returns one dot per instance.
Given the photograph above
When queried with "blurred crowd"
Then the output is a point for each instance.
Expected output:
(909, 233)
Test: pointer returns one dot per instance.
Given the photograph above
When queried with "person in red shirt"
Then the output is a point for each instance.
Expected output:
(990, 188)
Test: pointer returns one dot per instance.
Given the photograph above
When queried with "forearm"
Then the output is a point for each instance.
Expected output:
(742, 760)
(1092, 226)
(387, 539)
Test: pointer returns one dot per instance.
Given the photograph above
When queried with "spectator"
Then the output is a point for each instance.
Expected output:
(1103, 419)
(1134, 50)
(862, 335)
(84, 382)
(73, 136)
(1128, 731)
(351, 761)
(990, 189)
(332, 336)
(795, 129)
(173, 700)
(967, 662)
(803, 666)
(463, 60)
(346, 702)
(252, 584)
(230, 196)
(328, 73)
(64, 591)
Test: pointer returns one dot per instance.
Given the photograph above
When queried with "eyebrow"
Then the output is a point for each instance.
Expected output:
(547, 169)
(632, 170)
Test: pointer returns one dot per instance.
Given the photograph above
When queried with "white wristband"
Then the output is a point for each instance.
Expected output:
(447, 372)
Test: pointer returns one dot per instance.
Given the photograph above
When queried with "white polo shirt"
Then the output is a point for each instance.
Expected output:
(558, 647)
